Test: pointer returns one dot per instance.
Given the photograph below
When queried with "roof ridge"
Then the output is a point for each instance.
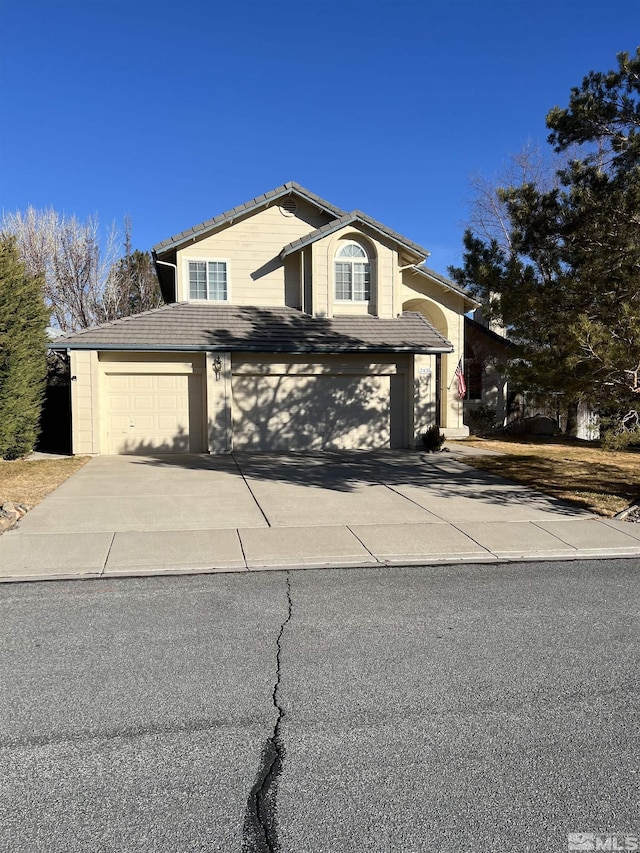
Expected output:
(264, 198)
(347, 219)
(447, 282)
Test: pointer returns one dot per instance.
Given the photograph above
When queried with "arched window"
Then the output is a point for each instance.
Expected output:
(352, 273)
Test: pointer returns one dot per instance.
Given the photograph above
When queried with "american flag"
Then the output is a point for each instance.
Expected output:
(462, 385)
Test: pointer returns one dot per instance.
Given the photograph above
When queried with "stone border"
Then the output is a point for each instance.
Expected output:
(631, 513)
(10, 514)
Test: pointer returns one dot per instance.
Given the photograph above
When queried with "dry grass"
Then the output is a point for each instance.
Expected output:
(601, 481)
(28, 482)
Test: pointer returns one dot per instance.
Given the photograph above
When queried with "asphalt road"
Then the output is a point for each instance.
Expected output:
(471, 708)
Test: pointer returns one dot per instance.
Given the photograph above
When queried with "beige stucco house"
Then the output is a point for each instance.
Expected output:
(289, 325)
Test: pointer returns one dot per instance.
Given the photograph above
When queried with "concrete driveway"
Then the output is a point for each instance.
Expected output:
(136, 515)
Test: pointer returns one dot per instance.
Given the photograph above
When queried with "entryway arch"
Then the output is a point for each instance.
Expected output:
(431, 312)
(436, 316)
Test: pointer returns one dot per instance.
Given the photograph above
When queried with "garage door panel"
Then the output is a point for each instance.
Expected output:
(166, 423)
(119, 383)
(142, 383)
(120, 422)
(171, 402)
(169, 383)
(119, 403)
(154, 412)
(146, 423)
(141, 402)
(320, 412)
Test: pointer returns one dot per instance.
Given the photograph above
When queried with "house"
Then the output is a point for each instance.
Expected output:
(289, 325)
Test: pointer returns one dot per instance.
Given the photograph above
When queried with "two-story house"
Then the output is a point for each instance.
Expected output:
(289, 325)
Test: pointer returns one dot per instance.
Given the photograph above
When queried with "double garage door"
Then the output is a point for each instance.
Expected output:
(279, 408)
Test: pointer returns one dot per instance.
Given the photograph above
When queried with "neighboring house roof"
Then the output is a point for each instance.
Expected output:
(185, 326)
(356, 216)
(447, 283)
(290, 188)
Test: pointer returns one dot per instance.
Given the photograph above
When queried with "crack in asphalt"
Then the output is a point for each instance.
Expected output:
(260, 830)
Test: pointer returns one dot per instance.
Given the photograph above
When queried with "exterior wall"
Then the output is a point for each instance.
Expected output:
(445, 311)
(84, 403)
(218, 402)
(384, 264)
(494, 393)
(494, 396)
(251, 247)
(256, 275)
(424, 396)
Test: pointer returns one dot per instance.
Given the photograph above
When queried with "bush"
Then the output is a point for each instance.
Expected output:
(621, 440)
(23, 364)
(432, 439)
(621, 432)
(482, 420)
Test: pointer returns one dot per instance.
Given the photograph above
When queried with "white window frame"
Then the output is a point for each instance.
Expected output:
(352, 261)
(207, 261)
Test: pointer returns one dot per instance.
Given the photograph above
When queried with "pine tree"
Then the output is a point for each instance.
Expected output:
(566, 282)
(23, 340)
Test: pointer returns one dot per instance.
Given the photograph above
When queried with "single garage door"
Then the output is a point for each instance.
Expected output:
(154, 413)
(276, 413)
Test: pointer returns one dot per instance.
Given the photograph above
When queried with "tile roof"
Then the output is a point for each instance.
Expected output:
(348, 219)
(291, 187)
(185, 326)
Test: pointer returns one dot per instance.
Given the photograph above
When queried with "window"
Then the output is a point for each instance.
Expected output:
(473, 369)
(352, 274)
(208, 280)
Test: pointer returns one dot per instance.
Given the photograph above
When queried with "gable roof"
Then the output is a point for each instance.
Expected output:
(185, 326)
(446, 283)
(356, 216)
(290, 188)
(343, 218)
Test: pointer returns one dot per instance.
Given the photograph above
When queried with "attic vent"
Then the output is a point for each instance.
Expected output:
(289, 206)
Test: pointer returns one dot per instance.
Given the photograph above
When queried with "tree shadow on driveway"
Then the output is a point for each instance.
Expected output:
(439, 475)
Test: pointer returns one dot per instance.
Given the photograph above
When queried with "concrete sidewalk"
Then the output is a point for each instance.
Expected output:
(125, 515)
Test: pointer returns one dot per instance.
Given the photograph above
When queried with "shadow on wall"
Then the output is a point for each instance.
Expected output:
(292, 412)
(288, 412)
(177, 444)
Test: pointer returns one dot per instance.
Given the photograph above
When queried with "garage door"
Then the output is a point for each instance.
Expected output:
(322, 412)
(154, 413)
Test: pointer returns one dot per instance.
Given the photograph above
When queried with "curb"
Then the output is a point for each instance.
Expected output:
(489, 560)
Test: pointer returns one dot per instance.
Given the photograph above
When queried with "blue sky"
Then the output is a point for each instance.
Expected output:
(172, 112)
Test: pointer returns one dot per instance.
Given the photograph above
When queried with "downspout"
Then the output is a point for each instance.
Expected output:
(175, 275)
(301, 274)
